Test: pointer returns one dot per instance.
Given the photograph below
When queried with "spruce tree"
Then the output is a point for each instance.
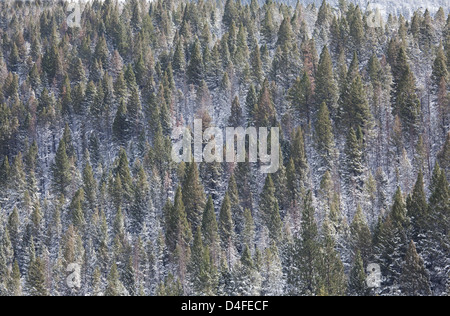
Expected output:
(115, 287)
(236, 118)
(417, 207)
(193, 196)
(298, 154)
(270, 213)
(210, 228)
(405, 100)
(178, 230)
(324, 137)
(61, 170)
(361, 236)
(226, 225)
(301, 96)
(326, 89)
(36, 280)
(357, 280)
(195, 67)
(354, 160)
(332, 279)
(309, 252)
(415, 279)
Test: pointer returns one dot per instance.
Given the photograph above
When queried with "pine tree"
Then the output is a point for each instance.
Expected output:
(324, 137)
(301, 96)
(309, 252)
(13, 227)
(417, 207)
(141, 204)
(90, 186)
(361, 236)
(193, 196)
(332, 278)
(265, 114)
(121, 125)
(61, 170)
(230, 14)
(405, 100)
(248, 233)
(444, 156)
(440, 71)
(415, 280)
(115, 286)
(178, 230)
(354, 161)
(210, 228)
(226, 225)
(437, 244)
(195, 68)
(14, 283)
(236, 118)
(76, 207)
(256, 66)
(269, 209)
(391, 241)
(358, 110)
(298, 154)
(201, 269)
(326, 88)
(357, 279)
(272, 274)
(36, 281)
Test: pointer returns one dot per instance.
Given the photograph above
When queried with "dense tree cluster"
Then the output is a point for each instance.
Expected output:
(87, 179)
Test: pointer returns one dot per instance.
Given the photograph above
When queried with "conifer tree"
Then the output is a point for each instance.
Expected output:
(361, 236)
(115, 287)
(36, 281)
(357, 279)
(298, 154)
(406, 102)
(195, 68)
(210, 228)
(90, 186)
(301, 96)
(61, 169)
(226, 225)
(444, 156)
(440, 71)
(201, 269)
(415, 280)
(354, 158)
(178, 230)
(417, 207)
(309, 252)
(236, 118)
(332, 278)
(193, 196)
(141, 202)
(326, 88)
(248, 233)
(270, 213)
(265, 115)
(324, 137)
(14, 282)
(121, 125)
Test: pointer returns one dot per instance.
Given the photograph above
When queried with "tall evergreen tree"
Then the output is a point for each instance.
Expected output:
(324, 137)
(326, 88)
(415, 280)
(193, 196)
(61, 170)
(270, 213)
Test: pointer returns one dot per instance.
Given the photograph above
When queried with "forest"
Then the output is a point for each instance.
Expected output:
(92, 203)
